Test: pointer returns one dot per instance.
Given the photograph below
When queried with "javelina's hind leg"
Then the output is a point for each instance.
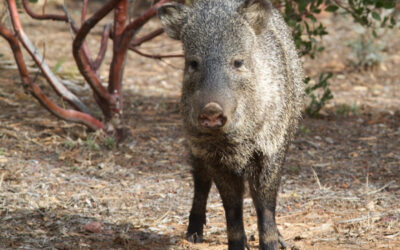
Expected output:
(231, 188)
(202, 185)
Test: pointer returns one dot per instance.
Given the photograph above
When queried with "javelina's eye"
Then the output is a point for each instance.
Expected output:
(238, 63)
(193, 64)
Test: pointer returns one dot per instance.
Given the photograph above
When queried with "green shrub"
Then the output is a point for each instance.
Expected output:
(301, 16)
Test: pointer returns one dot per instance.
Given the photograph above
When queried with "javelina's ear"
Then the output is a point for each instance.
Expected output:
(172, 17)
(256, 12)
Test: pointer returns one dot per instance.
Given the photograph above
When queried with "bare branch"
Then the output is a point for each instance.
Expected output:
(44, 7)
(38, 58)
(122, 40)
(158, 57)
(73, 26)
(103, 47)
(19, 59)
(134, 26)
(119, 54)
(84, 10)
(83, 62)
(69, 115)
(148, 37)
(43, 16)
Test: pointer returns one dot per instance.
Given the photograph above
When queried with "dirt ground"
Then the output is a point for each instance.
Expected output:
(62, 187)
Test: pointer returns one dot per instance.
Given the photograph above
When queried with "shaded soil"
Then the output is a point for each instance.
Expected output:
(66, 188)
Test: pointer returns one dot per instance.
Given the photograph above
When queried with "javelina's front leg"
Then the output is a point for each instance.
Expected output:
(231, 188)
(263, 188)
(202, 185)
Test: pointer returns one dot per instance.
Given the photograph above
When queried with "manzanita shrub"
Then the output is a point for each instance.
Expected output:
(121, 31)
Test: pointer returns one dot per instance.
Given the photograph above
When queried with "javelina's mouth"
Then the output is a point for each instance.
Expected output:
(212, 122)
(206, 134)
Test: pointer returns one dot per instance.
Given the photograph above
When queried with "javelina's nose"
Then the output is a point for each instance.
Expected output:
(212, 116)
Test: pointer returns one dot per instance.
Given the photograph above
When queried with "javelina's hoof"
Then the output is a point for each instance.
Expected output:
(238, 245)
(270, 246)
(194, 238)
(282, 242)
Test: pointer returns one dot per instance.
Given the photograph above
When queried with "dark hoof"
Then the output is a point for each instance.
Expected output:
(282, 242)
(238, 245)
(194, 238)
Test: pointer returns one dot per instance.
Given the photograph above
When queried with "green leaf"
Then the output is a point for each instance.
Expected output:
(316, 11)
(332, 8)
(388, 4)
(291, 22)
(392, 21)
(58, 65)
(311, 17)
(302, 4)
(364, 20)
(33, 1)
(385, 19)
(376, 16)
(359, 11)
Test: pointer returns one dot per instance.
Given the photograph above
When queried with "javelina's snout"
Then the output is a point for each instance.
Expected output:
(212, 116)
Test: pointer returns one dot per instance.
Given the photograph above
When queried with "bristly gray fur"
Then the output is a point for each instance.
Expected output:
(263, 99)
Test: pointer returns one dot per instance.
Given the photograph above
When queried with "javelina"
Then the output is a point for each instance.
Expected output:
(242, 96)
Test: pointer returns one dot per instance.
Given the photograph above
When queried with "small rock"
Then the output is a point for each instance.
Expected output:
(3, 160)
(329, 140)
(341, 77)
(93, 227)
(360, 88)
